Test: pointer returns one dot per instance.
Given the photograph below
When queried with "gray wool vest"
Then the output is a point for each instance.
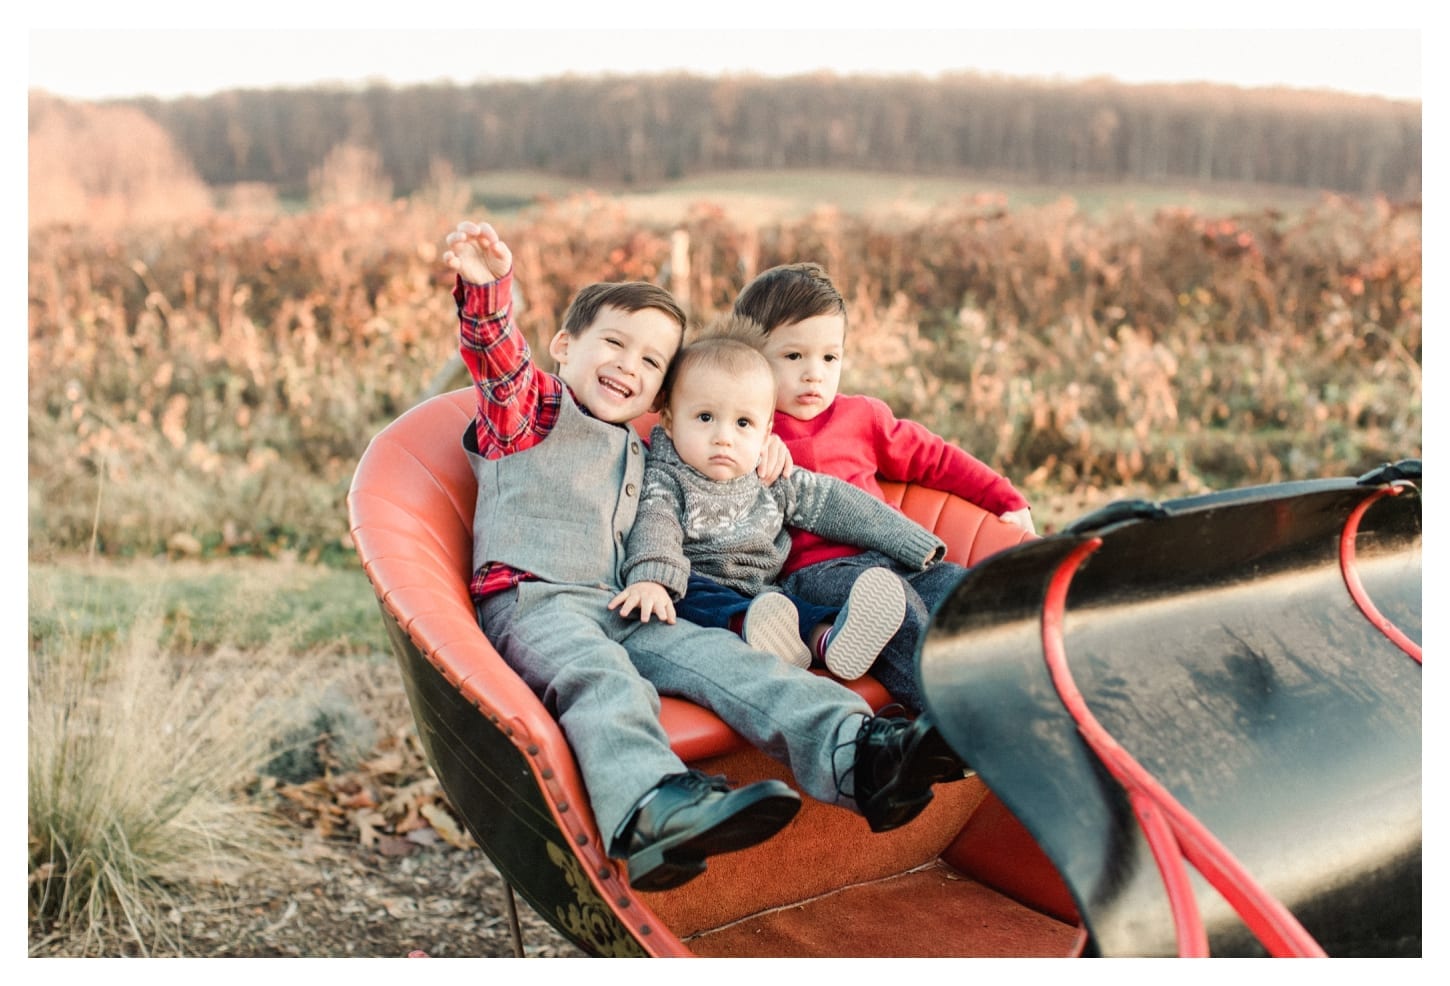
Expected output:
(562, 509)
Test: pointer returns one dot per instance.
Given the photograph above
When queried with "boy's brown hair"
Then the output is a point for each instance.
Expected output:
(627, 296)
(730, 342)
(789, 294)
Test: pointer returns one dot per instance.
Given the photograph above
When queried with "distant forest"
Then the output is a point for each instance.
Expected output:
(633, 131)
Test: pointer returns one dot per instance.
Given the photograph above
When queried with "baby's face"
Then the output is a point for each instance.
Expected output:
(719, 421)
(805, 357)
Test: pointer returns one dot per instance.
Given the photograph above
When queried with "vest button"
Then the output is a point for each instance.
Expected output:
(629, 489)
(634, 447)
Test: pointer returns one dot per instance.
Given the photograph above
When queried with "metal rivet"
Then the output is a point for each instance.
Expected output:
(581, 839)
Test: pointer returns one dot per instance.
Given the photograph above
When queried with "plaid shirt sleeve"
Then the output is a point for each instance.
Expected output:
(518, 404)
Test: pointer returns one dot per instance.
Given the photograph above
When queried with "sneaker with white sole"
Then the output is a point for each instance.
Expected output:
(872, 615)
(772, 624)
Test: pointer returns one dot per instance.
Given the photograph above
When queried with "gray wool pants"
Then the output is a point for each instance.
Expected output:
(601, 676)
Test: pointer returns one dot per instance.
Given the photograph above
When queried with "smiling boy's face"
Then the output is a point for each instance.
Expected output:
(805, 357)
(615, 367)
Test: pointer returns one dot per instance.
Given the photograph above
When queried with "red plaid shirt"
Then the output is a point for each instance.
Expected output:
(518, 404)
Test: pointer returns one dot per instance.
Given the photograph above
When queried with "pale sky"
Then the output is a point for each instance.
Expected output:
(130, 58)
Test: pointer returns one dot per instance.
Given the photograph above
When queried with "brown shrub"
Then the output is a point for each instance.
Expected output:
(221, 379)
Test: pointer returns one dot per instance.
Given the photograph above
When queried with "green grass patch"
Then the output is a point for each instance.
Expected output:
(244, 603)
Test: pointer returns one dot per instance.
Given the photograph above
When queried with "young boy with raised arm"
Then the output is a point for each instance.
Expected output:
(857, 439)
(559, 472)
(710, 537)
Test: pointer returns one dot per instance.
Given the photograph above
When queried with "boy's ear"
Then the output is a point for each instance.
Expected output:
(559, 346)
(666, 422)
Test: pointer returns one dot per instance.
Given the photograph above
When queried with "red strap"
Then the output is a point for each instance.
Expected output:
(1356, 588)
(1172, 832)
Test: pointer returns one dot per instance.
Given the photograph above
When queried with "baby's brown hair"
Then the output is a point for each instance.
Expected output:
(729, 342)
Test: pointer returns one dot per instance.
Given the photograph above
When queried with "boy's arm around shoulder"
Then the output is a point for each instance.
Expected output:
(909, 452)
(834, 509)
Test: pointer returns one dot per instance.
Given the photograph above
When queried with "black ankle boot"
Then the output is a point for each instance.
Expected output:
(690, 816)
(897, 762)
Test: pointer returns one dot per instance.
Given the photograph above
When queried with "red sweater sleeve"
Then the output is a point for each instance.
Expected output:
(909, 452)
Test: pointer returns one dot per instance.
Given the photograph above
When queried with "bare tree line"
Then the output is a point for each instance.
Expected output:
(643, 129)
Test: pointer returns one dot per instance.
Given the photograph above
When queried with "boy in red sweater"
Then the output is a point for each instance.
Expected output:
(858, 439)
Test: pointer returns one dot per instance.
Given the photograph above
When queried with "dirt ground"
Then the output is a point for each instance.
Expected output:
(358, 903)
(442, 901)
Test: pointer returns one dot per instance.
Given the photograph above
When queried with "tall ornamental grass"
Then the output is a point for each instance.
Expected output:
(144, 769)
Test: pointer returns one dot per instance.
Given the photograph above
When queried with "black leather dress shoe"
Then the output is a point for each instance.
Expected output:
(691, 816)
(897, 762)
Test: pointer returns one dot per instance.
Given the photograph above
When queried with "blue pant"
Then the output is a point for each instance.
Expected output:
(707, 603)
(601, 675)
(828, 583)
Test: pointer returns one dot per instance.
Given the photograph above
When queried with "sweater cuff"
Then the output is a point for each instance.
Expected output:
(670, 576)
(922, 549)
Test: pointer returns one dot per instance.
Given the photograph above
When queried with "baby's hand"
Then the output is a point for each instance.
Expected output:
(477, 254)
(775, 460)
(1022, 518)
(650, 598)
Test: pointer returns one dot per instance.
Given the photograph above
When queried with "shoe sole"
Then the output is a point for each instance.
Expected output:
(746, 817)
(772, 624)
(929, 761)
(873, 613)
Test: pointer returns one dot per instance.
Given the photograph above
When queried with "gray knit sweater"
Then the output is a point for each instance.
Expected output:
(734, 531)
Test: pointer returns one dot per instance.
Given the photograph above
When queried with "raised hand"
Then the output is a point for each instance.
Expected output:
(476, 253)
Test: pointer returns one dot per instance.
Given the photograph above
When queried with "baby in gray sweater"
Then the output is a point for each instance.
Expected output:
(710, 537)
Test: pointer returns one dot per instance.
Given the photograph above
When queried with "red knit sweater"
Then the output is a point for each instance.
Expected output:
(859, 440)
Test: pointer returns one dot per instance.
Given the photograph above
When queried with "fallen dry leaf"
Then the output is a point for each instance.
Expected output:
(368, 825)
(445, 825)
